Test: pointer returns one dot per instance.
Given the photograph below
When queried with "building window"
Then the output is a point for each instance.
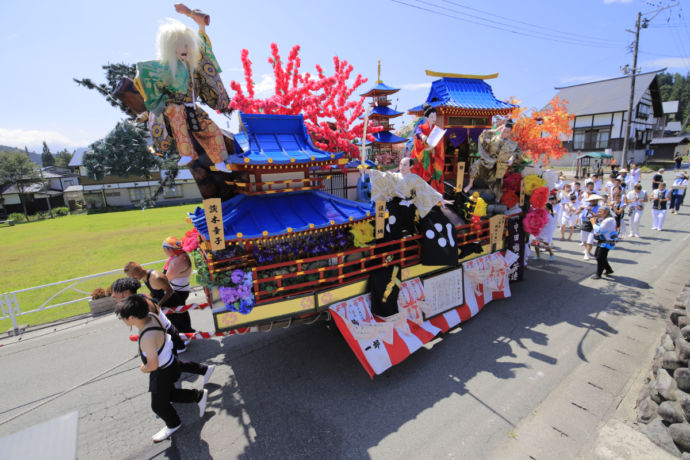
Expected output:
(597, 138)
(137, 194)
(643, 111)
(173, 192)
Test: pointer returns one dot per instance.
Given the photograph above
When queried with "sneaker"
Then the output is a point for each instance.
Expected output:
(630, 235)
(165, 433)
(581, 244)
(609, 273)
(208, 373)
(551, 257)
(587, 256)
(202, 403)
(636, 235)
(596, 277)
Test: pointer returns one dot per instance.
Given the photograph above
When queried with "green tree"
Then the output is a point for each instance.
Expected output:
(17, 169)
(47, 158)
(62, 158)
(123, 152)
(113, 74)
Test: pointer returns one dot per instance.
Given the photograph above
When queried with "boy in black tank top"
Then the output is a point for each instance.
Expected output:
(159, 361)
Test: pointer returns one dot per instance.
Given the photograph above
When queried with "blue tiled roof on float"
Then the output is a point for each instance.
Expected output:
(386, 137)
(276, 139)
(463, 93)
(275, 213)
(384, 111)
(380, 88)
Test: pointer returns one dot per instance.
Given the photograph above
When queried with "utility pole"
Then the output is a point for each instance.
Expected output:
(631, 101)
(641, 23)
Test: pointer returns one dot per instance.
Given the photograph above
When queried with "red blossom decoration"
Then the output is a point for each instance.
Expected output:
(509, 198)
(190, 240)
(539, 197)
(511, 181)
(332, 120)
(535, 220)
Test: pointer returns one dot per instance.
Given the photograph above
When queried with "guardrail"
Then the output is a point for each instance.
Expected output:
(9, 306)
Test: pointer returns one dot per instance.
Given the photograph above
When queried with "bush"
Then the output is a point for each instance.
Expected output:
(17, 217)
(61, 211)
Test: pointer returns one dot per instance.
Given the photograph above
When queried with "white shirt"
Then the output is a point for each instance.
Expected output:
(597, 186)
(635, 173)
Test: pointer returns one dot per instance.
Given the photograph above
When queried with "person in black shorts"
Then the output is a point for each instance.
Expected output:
(159, 361)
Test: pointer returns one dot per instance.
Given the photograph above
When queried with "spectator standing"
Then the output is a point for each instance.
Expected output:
(586, 235)
(598, 184)
(617, 206)
(660, 199)
(657, 179)
(569, 217)
(636, 202)
(678, 158)
(635, 174)
(604, 228)
(680, 184)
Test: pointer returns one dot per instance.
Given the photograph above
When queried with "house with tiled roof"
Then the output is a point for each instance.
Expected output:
(600, 109)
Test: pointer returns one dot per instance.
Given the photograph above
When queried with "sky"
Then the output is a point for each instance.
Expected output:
(534, 45)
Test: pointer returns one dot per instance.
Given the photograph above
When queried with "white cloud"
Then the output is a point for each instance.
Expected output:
(415, 86)
(33, 139)
(670, 62)
(582, 78)
(263, 88)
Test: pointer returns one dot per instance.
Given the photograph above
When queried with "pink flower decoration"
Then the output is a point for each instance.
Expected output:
(535, 221)
(190, 240)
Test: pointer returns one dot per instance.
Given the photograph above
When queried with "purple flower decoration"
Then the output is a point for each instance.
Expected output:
(237, 276)
(228, 295)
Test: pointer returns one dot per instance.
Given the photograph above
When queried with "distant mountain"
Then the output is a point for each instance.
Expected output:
(36, 157)
(33, 156)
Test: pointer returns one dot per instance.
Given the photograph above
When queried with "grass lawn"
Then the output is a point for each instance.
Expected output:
(68, 247)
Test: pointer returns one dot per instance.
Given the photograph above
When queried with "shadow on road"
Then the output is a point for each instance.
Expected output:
(323, 404)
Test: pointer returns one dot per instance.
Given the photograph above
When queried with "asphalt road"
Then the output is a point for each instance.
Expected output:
(300, 392)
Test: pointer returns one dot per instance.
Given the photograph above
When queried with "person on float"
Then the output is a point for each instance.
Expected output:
(159, 361)
(125, 287)
(636, 201)
(680, 184)
(185, 70)
(406, 185)
(428, 162)
(162, 293)
(604, 229)
(586, 233)
(660, 199)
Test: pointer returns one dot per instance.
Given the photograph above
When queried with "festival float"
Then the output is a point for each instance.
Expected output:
(273, 248)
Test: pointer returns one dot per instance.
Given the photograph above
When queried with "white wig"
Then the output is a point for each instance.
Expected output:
(172, 36)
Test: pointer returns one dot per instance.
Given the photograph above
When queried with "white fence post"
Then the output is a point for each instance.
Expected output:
(10, 302)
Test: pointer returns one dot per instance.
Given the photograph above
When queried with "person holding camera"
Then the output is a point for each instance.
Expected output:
(604, 230)
(586, 235)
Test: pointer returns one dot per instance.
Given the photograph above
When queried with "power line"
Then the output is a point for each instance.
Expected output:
(536, 26)
(492, 26)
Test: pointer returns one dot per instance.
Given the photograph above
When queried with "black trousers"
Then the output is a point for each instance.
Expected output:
(189, 367)
(181, 321)
(603, 260)
(163, 393)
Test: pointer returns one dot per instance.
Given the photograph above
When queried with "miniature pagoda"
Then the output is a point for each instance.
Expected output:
(381, 115)
(465, 106)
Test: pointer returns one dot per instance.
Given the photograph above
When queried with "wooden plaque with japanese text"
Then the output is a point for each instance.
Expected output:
(214, 222)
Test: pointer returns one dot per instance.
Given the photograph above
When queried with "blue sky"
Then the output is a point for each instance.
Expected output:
(533, 45)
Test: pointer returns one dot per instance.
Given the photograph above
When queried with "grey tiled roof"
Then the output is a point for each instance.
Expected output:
(605, 96)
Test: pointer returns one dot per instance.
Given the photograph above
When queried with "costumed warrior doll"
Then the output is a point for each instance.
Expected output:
(496, 153)
(186, 69)
(428, 161)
